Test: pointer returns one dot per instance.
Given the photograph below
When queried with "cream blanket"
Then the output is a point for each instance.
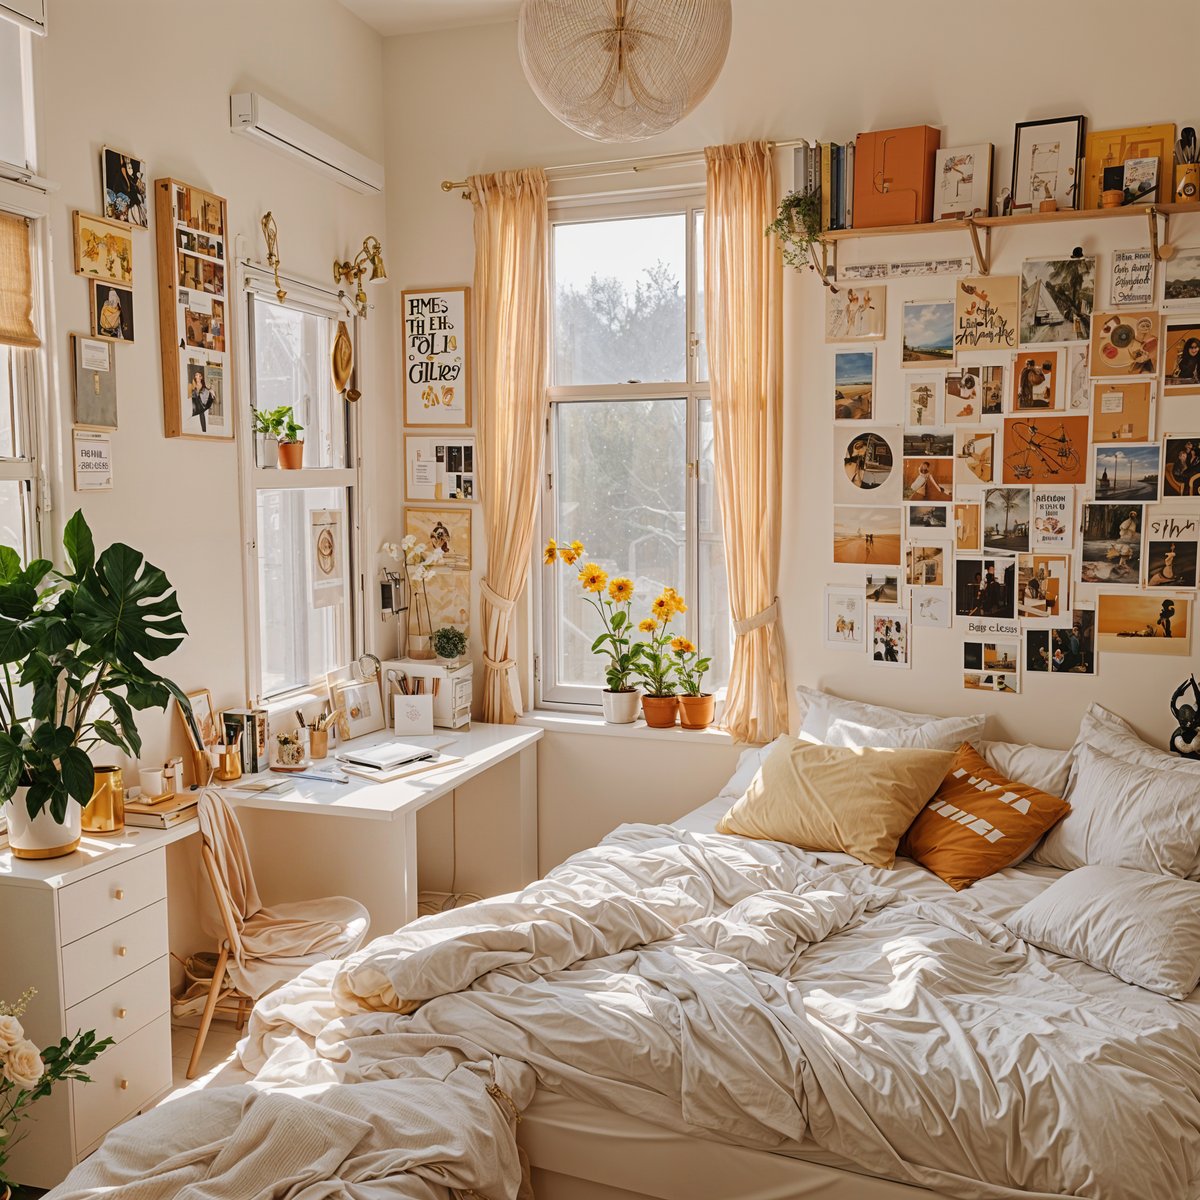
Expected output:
(728, 988)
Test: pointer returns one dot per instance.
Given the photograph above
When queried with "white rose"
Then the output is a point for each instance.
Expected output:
(10, 1033)
(24, 1065)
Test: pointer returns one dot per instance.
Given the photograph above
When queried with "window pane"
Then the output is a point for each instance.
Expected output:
(9, 365)
(715, 632)
(291, 367)
(701, 333)
(12, 96)
(13, 517)
(300, 642)
(619, 308)
(620, 488)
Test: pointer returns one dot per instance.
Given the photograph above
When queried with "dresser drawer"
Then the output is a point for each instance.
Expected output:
(127, 1005)
(108, 896)
(94, 962)
(124, 1078)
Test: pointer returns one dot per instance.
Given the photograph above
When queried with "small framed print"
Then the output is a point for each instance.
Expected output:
(123, 185)
(962, 182)
(361, 702)
(436, 356)
(1046, 159)
(439, 468)
(103, 249)
(112, 311)
(1131, 278)
(95, 382)
(93, 460)
(200, 720)
(845, 618)
(890, 635)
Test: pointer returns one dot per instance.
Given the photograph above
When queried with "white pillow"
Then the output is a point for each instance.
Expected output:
(935, 735)
(1125, 815)
(1038, 766)
(1113, 735)
(747, 767)
(1142, 928)
(817, 709)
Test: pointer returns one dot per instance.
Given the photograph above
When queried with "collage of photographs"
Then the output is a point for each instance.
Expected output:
(1029, 494)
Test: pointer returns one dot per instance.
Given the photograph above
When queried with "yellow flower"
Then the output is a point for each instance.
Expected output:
(592, 578)
(682, 646)
(577, 546)
(551, 552)
(568, 556)
(647, 626)
(676, 600)
(663, 608)
(621, 590)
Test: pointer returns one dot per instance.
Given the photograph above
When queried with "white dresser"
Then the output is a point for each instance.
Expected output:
(89, 931)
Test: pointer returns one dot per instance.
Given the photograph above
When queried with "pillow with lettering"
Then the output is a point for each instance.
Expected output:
(978, 822)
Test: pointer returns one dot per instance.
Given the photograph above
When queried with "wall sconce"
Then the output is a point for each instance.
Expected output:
(371, 255)
(271, 234)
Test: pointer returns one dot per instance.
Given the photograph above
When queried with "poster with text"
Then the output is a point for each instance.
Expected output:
(437, 388)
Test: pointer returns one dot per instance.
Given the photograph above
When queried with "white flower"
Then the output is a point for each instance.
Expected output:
(409, 541)
(11, 1033)
(391, 550)
(23, 1066)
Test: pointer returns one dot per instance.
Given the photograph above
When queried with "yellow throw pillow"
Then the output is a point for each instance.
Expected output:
(835, 798)
(979, 822)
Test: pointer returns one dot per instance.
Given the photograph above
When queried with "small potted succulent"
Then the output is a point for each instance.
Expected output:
(449, 643)
(797, 226)
(696, 708)
(291, 444)
(655, 665)
(268, 426)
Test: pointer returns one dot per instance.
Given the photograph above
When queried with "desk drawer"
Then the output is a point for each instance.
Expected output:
(94, 962)
(108, 896)
(127, 1005)
(124, 1078)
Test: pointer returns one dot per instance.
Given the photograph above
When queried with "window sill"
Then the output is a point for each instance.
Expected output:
(587, 723)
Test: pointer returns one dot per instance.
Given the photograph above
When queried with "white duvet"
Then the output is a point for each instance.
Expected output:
(727, 988)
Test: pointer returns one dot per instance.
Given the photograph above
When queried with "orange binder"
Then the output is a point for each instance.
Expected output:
(893, 176)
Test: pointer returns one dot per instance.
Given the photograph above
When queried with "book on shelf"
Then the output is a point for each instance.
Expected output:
(849, 205)
(825, 184)
(246, 728)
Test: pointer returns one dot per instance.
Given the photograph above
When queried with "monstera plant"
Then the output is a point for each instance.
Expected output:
(74, 648)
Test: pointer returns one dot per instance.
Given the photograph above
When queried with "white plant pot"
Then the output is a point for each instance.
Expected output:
(43, 836)
(621, 708)
(268, 451)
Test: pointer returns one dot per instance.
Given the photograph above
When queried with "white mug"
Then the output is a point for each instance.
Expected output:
(152, 781)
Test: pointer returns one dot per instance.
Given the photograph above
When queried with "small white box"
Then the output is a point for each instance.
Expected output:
(450, 686)
(412, 714)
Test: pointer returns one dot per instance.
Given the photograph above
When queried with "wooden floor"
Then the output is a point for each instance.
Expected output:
(219, 1066)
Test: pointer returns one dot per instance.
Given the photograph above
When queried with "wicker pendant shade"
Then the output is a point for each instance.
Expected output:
(623, 70)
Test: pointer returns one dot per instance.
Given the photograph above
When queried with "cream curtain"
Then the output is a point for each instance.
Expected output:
(511, 231)
(743, 295)
(16, 284)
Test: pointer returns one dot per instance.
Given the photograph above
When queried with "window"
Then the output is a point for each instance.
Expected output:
(302, 521)
(18, 461)
(16, 127)
(629, 455)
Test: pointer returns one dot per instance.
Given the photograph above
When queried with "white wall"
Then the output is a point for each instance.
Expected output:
(155, 80)
(457, 103)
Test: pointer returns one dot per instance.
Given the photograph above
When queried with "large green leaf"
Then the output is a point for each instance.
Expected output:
(107, 732)
(77, 775)
(128, 608)
(17, 639)
(79, 545)
(125, 721)
(10, 564)
(11, 762)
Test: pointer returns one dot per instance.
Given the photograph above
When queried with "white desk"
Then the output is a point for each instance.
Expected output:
(360, 838)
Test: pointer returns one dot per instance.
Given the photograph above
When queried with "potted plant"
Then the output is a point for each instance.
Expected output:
(611, 598)
(655, 665)
(797, 225)
(421, 561)
(26, 1075)
(268, 425)
(449, 643)
(291, 444)
(695, 707)
(73, 653)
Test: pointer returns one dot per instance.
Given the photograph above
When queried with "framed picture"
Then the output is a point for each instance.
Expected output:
(439, 468)
(845, 618)
(890, 637)
(866, 534)
(1036, 381)
(855, 314)
(1125, 343)
(92, 455)
(103, 249)
(436, 352)
(854, 385)
(962, 182)
(201, 725)
(1131, 278)
(1172, 549)
(112, 311)
(1057, 297)
(927, 333)
(1128, 472)
(1181, 280)
(1045, 450)
(445, 529)
(986, 309)
(123, 185)
(1112, 544)
(1137, 623)
(361, 702)
(1123, 410)
(94, 380)
(1046, 158)
(1112, 148)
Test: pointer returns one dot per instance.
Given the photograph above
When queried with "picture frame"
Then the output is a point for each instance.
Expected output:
(1131, 278)
(202, 725)
(440, 468)
(123, 191)
(1046, 162)
(845, 618)
(962, 182)
(103, 249)
(890, 631)
(447, 529)
(91, 455)
(1181, 280)
(361, 702)
(854, 384)
(855, 313)
(436, 356)
(111, 311)
(93, 382)
(1114, 147)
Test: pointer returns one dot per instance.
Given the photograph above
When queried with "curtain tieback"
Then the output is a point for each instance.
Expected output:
(766, 616)
(495, 599)
(501, 664)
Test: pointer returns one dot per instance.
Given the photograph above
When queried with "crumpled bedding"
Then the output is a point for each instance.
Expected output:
(730, 989)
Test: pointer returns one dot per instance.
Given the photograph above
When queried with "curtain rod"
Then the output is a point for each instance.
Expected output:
(618, 166)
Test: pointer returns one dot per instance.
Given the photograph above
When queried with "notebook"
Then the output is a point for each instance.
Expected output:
(386, 757)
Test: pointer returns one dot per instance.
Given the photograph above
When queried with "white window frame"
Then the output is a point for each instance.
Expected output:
(310, 297)
(549, 692)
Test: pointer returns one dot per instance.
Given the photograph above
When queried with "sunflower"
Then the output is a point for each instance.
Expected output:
(663, 608)
(551, 552)
(682, 646)
(592, 578)
(647, 626)
(621, 590)
(577, 546)
(569, 556)
(676, 600)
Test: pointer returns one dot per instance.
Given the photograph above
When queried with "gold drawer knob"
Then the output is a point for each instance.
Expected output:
(119, 894)
(122, 1013)
(122, 951)
(124, 1085)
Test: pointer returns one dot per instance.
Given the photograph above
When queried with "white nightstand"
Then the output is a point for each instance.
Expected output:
(89, 931)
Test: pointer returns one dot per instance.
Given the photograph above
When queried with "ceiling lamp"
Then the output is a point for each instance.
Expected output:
(623, 70)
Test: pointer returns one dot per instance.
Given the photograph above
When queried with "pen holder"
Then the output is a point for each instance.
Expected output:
(412, 714)
(1187, 182)
(318, 743)
(230, 765)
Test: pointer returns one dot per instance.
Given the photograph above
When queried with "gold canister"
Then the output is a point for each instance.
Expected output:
(229, 766)
(105, 812)
(1187, 183)
(318, 743)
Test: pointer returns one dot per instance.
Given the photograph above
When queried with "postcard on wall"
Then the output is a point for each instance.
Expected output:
(444, 529)
(925, 565)
(203, 407)
(1138, 623)
(1051, 450)
(1123, 410)
(93, 460)
(327, 559)
(866, 534)
(967, 526)
(932, 607)
(1057, 297)
(993, 665)
(1171, 549)
(123, 183)
(924, 403)
(1078, 380)
(1181, 357)
(927, 333)
(985, 586)
(890, 636)
(1036, 376)
(95, 382)
(1073, 647)
(986, 309)
(1131, 278)
(962, 182)
(974, 455)
(866, 467)
(439, 468)
(1181, 466)
(1007, 516)
(854, 385)
(1125, 343)
(963, 393)
(855, 314)
(1053, 518)
(881, 588)
(1112, 544)
(1043, 586)
(1127, 472)
(436, 362)
(103, 249)
(927, 478)
(1181, 279)
(931, 521)
(845, 618)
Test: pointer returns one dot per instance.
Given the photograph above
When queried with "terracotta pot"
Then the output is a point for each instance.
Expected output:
(105, 812)
(660, 711)
(43, 836)
(291, 455)
(696, 712)
(620, 708)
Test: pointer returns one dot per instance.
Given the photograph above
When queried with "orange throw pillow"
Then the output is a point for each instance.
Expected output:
(978, 822)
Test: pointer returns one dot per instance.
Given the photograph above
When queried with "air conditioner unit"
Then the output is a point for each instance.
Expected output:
(256, 117)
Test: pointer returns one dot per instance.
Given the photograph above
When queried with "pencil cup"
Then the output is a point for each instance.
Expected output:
(1187, 182)
(318, 743)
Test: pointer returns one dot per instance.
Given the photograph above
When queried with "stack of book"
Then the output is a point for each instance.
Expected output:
(161, 812)
(827, 168)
